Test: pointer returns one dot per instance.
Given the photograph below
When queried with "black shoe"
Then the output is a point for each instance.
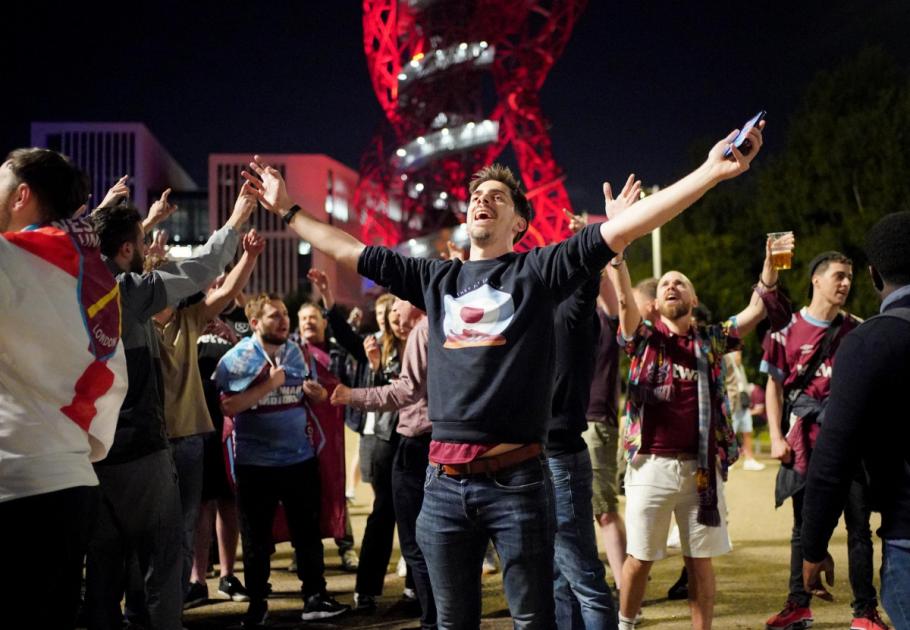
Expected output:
(321, 606)
(197, 594)
(256, 615)
(230, 587)
(680, 590)
(364, 603)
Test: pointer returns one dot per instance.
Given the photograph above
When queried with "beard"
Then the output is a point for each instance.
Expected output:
(674, 311)
(274, 339)
(137, 263)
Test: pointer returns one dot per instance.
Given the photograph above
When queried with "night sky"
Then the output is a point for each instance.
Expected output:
(640, 86)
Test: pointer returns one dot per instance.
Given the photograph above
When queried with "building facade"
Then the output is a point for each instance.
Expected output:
(324, 189)
(108, 150)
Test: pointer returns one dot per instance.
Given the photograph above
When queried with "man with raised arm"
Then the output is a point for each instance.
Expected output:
(491, 372)
(866, 426)
(140, 511)
(812, 338)
(678, 442)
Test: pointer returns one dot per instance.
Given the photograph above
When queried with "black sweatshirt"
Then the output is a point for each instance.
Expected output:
(577, 330)
(491, 368)
(866, 421)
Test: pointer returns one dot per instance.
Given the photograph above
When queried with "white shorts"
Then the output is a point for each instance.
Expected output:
(742, 421)
(658, 487)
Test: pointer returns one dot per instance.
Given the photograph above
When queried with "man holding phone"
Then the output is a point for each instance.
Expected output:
(491, 371)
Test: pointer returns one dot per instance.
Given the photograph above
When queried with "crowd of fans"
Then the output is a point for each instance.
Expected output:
(147, 402)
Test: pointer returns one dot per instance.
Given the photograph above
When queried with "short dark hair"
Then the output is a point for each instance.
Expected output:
(59, 186)
(503, 174)
(887, 248)
(820, 264)
(116, 225)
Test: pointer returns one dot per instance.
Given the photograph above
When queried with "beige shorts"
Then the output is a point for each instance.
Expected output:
(603, 442)
(658, 488)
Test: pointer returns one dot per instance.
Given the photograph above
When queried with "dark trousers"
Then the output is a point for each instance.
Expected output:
(43, 547)
(409, 471)
(859, 549)
(376, 548)
(140, 514)
(259, 489)
(188, 458)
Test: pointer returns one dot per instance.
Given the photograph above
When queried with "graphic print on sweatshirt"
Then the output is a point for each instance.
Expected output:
(477, 318)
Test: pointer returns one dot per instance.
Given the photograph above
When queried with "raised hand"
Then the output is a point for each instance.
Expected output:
(158, 247)
(269, 187)
(244, 206)
(576, 221)
(321, 282)
(723, 167)
(161, 209)
(253, 243)
(374, 352)
(630, 193)
(769, 274)
(120, 189)
(319, 279)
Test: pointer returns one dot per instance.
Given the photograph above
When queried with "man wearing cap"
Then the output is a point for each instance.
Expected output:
(810, 342)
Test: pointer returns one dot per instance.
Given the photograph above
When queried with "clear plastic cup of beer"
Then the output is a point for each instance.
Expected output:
(781, 249)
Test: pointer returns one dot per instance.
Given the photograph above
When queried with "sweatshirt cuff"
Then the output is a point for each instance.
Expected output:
(358, 397)
(777, 306)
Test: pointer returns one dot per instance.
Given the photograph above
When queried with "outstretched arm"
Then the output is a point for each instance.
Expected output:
(657, 209)
(218, 299)
(617, 271)
(272, 192)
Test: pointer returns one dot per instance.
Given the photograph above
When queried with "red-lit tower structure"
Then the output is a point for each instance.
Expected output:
(458, 81)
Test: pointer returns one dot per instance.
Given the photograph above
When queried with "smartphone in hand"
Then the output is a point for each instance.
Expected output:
(741, 141)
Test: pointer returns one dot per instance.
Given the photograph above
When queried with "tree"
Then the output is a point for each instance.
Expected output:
(845, 164)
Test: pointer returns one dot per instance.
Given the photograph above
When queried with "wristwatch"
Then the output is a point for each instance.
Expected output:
(289, 215)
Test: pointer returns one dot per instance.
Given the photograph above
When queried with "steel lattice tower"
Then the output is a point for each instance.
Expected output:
(433, 64)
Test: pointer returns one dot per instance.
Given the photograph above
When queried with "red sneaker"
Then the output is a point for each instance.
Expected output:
(868, 620)
(792, 617)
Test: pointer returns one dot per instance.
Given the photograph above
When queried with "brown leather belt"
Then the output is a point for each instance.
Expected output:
(495, 463)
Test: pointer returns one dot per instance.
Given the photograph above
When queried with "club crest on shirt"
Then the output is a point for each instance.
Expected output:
(477, 318)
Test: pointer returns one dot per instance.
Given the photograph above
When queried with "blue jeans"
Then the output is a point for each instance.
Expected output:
(460, 514)
(896, 583)
(580, 584)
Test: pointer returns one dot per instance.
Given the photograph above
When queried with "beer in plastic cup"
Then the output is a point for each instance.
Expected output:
(781, 254)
